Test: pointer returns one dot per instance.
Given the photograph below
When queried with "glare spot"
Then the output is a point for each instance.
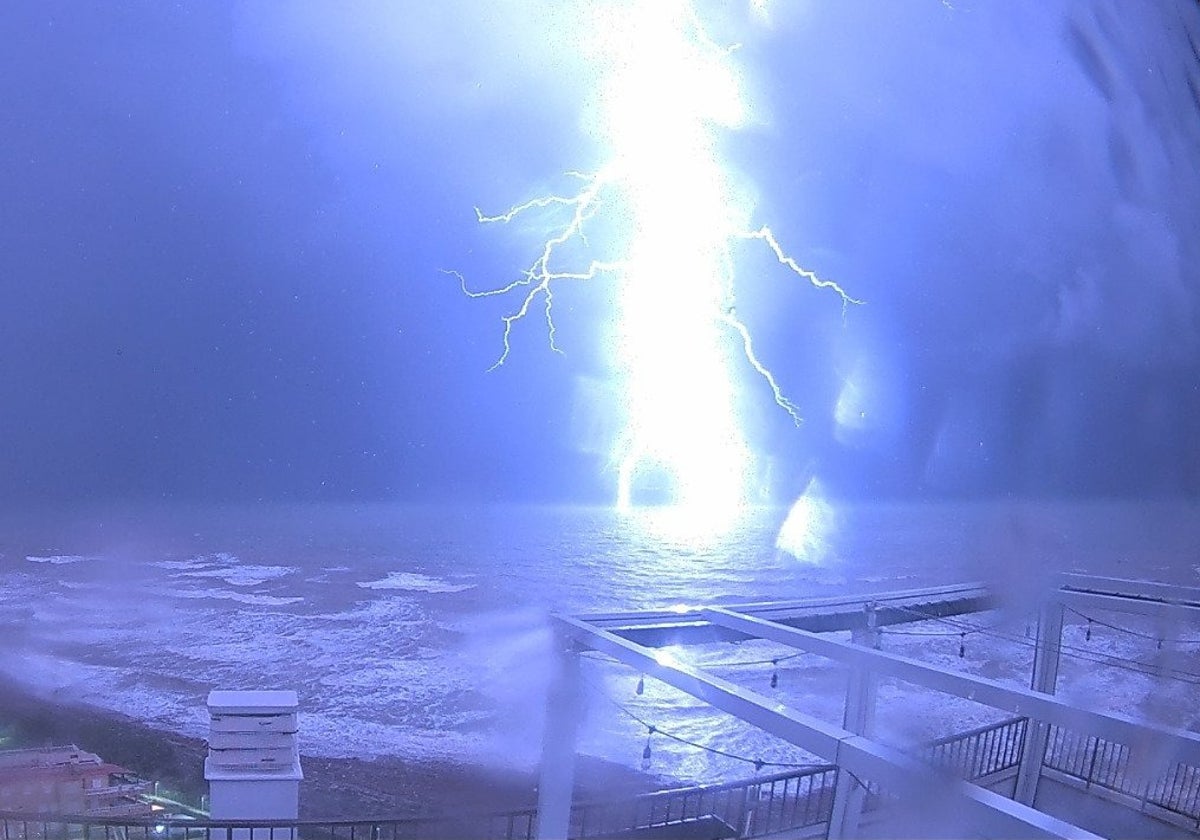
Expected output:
(809, 525)
(689, 527)
(666, 657)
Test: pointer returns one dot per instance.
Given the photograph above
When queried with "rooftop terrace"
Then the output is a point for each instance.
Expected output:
(1048, 766)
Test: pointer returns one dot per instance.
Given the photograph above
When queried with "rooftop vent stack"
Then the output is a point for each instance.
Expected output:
(253, 765)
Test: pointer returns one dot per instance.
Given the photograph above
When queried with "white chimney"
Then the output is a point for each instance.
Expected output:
(253, 764)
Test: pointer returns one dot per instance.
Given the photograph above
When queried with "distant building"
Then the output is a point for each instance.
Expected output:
(68, 780)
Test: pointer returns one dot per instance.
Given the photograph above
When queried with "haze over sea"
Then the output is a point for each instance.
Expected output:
(420, 631)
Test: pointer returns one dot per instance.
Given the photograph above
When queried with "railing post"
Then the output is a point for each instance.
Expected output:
(1045, 680)
(746, 817)
(859, 718)
(557, 781)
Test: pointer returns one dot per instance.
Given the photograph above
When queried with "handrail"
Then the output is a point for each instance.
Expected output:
(787, 800)
(783, 806)
(1107, 764)
(971, 733)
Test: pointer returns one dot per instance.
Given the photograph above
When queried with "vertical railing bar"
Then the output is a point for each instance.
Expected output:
(1191, 797)
(792, 806)
(976, 746)
(1118, 777)
(1121, 778)
(1176, 777)
(1091, 764)
(803, 803)
(770, 806)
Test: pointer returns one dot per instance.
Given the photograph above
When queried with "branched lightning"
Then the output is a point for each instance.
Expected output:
(668, 85)
(539, 278)
(764, 234)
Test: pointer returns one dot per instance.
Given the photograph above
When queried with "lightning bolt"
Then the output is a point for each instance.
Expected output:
(667, 86)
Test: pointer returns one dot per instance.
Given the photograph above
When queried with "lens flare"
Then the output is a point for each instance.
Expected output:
(667, 91)
(809, 526)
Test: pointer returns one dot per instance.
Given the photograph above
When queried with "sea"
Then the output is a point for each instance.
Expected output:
(422, 631)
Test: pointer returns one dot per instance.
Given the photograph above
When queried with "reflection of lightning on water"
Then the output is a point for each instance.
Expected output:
(666, 87)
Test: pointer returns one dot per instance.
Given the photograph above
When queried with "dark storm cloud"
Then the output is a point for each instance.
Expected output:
(184, 312)
(1014, 191)
(197, 297)
(222, 227)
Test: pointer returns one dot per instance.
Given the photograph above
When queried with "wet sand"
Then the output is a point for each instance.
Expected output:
(333, 788)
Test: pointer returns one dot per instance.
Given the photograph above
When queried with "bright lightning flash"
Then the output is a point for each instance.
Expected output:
(666, 89)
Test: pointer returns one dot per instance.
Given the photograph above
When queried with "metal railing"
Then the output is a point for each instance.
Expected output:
(54, 827)
(754, 807)
(971, 756)
(1111, 766)
(980, 752)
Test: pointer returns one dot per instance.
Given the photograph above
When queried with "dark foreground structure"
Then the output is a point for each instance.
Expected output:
(1049, 767)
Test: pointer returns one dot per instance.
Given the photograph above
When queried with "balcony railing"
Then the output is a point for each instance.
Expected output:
(1110, 766)
(981, 752)
(754, 807)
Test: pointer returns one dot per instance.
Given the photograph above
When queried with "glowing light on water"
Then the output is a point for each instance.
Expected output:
(808, 527)
(685, 527)
(666, 90)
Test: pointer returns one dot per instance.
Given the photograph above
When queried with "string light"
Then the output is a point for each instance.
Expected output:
(652, 730)
(773, 661)
(1130, 631)
(1176, 674)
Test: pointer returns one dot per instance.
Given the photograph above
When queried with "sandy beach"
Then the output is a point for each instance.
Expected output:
(333, 788)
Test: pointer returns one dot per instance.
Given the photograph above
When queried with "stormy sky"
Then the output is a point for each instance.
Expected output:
(223, 225)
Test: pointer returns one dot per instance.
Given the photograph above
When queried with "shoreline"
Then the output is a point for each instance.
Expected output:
(333, 787)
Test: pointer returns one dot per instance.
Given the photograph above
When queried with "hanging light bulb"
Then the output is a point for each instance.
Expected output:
(775, 673)
(646, 750)
(1088, 635)
(641, 686)
(962, 645)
